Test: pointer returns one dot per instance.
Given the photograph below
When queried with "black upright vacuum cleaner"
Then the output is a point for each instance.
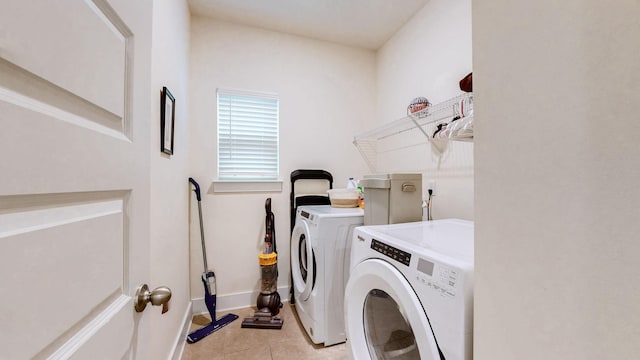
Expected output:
(269, 303)
(209, 281)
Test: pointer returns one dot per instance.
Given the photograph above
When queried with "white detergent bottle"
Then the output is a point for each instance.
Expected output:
(352, 183)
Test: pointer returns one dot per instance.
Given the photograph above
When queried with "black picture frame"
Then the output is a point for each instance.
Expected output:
(167, 121)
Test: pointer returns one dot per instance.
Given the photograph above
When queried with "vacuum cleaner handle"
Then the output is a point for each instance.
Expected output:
(197, 190)
(270, 228)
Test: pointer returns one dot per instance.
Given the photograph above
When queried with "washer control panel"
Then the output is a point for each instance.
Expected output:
(396, 254)
(437, 277)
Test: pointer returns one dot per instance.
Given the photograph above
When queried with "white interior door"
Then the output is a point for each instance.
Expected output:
(74, 177)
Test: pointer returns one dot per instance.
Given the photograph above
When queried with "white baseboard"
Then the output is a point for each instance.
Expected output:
(178, 348)
(234, 301)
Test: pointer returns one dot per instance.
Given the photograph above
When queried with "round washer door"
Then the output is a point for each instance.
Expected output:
(302, 261)
(384, 317)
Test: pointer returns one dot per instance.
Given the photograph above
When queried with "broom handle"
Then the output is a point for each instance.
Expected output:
(204, 249)
(199, 198)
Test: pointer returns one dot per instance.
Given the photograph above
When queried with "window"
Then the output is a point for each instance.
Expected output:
(247, 136)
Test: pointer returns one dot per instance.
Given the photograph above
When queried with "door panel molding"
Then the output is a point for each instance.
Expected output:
(31, 92)
(66, 295)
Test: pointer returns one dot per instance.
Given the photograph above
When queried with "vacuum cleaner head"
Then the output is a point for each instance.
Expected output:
(262, 319)
(271, 302)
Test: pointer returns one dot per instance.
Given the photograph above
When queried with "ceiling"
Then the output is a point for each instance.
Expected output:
(362, 23)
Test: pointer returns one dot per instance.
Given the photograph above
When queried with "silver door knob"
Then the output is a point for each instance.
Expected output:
(159, 296)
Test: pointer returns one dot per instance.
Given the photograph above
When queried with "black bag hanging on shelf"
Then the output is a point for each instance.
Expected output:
(466, 84)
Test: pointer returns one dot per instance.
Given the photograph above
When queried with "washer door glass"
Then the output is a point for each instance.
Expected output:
(384, 316)
(303, 264)
(387, 332)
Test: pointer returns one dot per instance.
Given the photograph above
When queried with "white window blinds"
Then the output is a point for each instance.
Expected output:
(247, 135)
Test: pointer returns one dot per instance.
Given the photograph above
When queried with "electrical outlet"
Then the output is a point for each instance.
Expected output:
(432, 186)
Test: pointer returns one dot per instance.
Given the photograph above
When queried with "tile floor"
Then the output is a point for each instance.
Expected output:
(233, 342)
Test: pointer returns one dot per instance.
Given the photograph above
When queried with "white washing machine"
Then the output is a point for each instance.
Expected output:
(320, 262)
(410, 291)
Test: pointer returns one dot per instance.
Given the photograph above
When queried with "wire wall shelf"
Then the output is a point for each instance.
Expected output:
(438, 124)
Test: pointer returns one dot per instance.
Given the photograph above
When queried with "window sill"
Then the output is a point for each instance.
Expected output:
(240, 186)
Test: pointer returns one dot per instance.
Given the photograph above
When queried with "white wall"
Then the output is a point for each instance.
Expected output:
(327, 94)
(428, 57)
(169, 188)
(557, 176)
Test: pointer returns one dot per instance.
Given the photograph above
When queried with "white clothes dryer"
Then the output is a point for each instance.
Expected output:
(320, 255)
(410, 291)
